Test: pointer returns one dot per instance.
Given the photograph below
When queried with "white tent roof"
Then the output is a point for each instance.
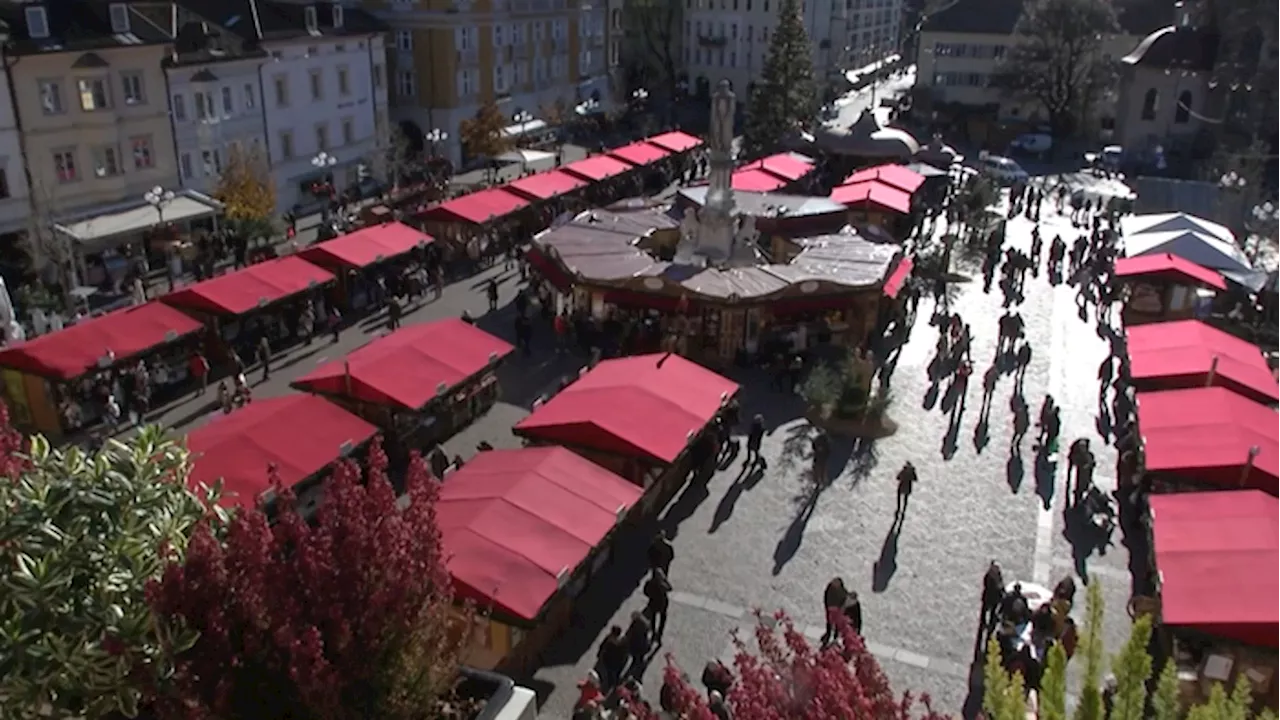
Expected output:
(1200, 248)
(1171, 222)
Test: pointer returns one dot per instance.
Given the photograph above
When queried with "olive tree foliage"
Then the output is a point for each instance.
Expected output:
(1056, 58)
(80, 536)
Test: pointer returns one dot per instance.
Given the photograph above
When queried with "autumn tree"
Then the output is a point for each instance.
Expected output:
(83, 534)
(347, 617)
(482, 135)
(1056, 59)
(789, 678)
(785, 97)
(248, 193)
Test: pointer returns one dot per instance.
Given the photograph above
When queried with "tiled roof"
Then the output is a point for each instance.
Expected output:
(263, 20)
(80, 26)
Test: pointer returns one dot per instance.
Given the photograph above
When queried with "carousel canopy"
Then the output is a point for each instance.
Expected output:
(867, 138)
(675, 141)
(367, 246)
(1208, 434)
(1189, 353)
(756, 181)
(1174, 222)
(1216, 556)
(639, 153)
(1168, 266)
(516, 524)
(546, 185)
(895, 176)
(79, 349)
(410, 367)
(645, 406)
(299, 435)
(788, 166)
(875, 194)
(478, 208)
(250, 288)
(597, 168)
(1189, 237)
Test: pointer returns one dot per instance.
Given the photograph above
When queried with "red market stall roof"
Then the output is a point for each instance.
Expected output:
(250, 288)
(1164, 265)
(898, 278)
(639, 153)
(874, 193)
(1216, 556)
(1206, 434)
(300, 435)
(597, 168)
(367, 246)
(756, 181)
(1189, 353)
(675, 141)
(787, 166)
(410, 367)
(79, 349)
(546, 185)
(479, 207)
(516, 524)
(641, 406)
(895, 176)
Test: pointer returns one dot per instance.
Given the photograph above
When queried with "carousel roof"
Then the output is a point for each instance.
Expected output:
(867, 138)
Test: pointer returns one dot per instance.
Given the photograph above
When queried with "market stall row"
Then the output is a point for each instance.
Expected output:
(58, 383)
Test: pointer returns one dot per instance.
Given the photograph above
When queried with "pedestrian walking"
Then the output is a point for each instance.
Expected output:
(491, 291)
(264, 357)
(638, 643)
(200, 371)
(821, 456)
(992, 592)
(335, 323)
(906, 481)
(755, 435)
(611, 658)
(661, 553)
(658, 590)
(394, 312)
(833, 600)
(853, 612)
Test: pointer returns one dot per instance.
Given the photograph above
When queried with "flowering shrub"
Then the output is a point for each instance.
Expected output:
(789, 679)
(350, 616)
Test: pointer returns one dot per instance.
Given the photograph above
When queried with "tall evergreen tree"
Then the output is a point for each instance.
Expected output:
(785, 96)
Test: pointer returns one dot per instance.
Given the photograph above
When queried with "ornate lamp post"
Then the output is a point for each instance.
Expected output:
(436, 136)
(157, 197)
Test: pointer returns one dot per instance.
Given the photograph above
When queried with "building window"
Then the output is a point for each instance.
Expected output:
(1182, 113)
(337, 15)
(348, 131)
(309, 16)
(106, 161)
(179, 108)
(317, 86)
(1150, 103)
(282, 90)
(377, 77)
(322, 137)
(204, 106)
(406, 86)
(499, 79)
(211, 160)
(249, 100)
(184, 166)
(465, 88)
(64, 164)
(228, 102)
(37, 22)
(614, 55)
(286, 145)
(344, 82)
(93, 94)
(404, 40)
(131, 88)
(51, 96)
(142, 157)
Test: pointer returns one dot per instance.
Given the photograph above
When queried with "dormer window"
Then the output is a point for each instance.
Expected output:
(313, 23)
(337, 16)
(37, 22)
(119, 18)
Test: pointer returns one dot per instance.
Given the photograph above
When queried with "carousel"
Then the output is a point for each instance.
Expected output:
(720, 277)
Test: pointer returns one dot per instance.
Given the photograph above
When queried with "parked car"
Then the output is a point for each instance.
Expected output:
(1004, 170)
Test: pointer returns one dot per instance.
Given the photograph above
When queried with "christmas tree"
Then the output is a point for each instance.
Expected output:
(784, 98)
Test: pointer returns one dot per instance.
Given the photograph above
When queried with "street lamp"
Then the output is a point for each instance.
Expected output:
(521, 118)
(435, 137)
(589, 106)
(323, 161)
(640, 95)
(157, 197)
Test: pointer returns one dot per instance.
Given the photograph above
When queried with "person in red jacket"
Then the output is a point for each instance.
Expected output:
(199, 367)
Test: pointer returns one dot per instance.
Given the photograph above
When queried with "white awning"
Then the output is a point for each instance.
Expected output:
(96, 230)
(525, 156)
(520, 129)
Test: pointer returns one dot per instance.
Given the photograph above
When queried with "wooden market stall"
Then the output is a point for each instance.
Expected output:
(547, 186)
(874, 202)
(1190, 354)
(525, 533)
(637, 416)
(262, 300)
(421, 384)
(1165, 287)
(675, 141)
(298, 437)
(356, 257)
(1215, 559)
(605, 174)
(462, 218)
(50, 380)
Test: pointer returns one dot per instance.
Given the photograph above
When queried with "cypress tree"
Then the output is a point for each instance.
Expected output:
(785, 95)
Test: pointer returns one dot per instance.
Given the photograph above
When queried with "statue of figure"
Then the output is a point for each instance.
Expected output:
(722, 107)
(689, 226)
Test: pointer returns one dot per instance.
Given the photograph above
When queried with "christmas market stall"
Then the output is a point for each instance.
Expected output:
(873, 202)
(464, 219)
(547, 187)
(756, 180)
(791, 168)
(1165, 287)
(57, 383)
(653, 164)
(420, 384)
(360, 257)
(1208, 438)
(1190, 354)
(263, 300)
(641, 417)
(675, 142)
(1215, 560)
(299, 437)
(525, 532)
(607, 176)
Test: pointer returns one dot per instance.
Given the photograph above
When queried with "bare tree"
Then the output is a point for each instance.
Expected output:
(656, 27)
(392, 159)
(49, 250)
